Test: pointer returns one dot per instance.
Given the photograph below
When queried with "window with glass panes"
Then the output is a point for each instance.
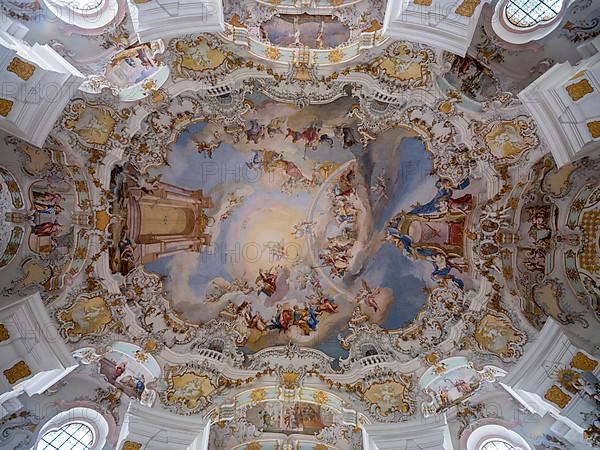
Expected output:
(72, 436)
(528, 13)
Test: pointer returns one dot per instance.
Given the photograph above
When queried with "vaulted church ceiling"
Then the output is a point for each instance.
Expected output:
(374, 225)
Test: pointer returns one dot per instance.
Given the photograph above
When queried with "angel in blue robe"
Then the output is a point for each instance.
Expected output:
(442, 268)
(443, 201)
(140, 385)
(47, 208)
(312, 320)
(440, 262)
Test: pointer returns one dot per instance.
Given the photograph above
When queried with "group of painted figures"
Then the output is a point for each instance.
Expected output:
(46, 205)
(48, 211)
(441, 223)
(121, 377)
(286, 316)
(337, 253)
(304, 316)
(311, 137)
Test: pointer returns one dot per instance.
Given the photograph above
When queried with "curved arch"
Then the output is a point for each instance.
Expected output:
(528, 14)
(519, 22)
(90, 418)
(486, 434)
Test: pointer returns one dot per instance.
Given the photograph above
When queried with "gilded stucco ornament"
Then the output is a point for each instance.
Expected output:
(190, 387)
(17, 372)
(90, 316)
(402, 65)
(162, 126)
(472, 130)
(199, 58)
(56, 201)
(386, 393)
(212, 82)
(93, 126)
(302, 93)
(494, 333)
(18, 429)
(506, 139)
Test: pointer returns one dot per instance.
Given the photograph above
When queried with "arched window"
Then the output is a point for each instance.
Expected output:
(74, 429)
(496, 437)
(522, 21)
(497, 444)
(71, 436)
(529, 13)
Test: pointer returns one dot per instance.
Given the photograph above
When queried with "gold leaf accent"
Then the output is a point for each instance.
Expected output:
(5, 106)
(588, 257)
(335, 55)
(4, 335)
(445, 107)
(321, 447)
(21, 68)
(149, 85)
(467, 8)
(557, 396)
(17, 372)
(594, 128)
(583, 362)
(258, 395)
(320, 397)
(272, 53)
(290, 379)
(130, 445)
(253, 446)
(431, 358)
(579, 90)
(423, 2)
(567, 378)
(150, 345)
(236, 22)
(375, 26)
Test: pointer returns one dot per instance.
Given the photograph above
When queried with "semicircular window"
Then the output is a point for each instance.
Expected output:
(497, 444)
(72, 436)
(529, 13)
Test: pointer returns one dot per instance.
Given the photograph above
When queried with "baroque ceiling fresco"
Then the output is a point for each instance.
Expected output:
(373, 225)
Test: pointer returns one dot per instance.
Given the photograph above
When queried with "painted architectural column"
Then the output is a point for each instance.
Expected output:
(427, 434)
(164, 19)
(445, 24)
(151, 429)
(554, 378)
(167, 220)
(564, 102)
(36, 85)
(34, 356)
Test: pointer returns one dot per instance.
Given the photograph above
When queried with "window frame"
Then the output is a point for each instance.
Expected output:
(493, 440)
(537, 23)
(85, 415)
(61, 429)
(495, 430)
(513, 34)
